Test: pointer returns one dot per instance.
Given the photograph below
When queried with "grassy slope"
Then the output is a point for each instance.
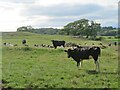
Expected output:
(42, 67)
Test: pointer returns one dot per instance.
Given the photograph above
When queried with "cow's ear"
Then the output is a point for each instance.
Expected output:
(65, 50)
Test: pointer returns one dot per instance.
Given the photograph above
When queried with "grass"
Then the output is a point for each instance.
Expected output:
(30, 67)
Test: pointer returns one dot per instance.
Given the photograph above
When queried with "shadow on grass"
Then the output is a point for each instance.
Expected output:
(92, 72)
(100, 72)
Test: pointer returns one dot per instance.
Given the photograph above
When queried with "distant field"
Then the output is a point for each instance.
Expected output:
(111, 39)
(32, 67)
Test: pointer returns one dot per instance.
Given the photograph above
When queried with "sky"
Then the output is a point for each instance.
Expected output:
(56, 13)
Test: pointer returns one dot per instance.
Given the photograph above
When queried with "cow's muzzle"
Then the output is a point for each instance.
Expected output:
(68, 56)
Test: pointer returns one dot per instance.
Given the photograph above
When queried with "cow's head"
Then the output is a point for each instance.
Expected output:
(69, 52)
(52, 40)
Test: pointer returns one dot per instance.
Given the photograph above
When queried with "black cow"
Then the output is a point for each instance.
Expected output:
(115, 43)
(78, 54)
(24, 42)
(58, 43)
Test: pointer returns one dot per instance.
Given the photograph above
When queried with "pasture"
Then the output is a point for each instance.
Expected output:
(36, 67)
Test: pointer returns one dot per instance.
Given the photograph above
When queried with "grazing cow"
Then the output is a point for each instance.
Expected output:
(84, 52)
(115, 43)
(100, 44)
(109, 44)
(71, 44)
(36, 45)
(24, 42)
(15, 45)
(93, 44)
(4, 44)
(58, 43)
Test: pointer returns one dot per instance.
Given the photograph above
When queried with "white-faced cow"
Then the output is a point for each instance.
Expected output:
(58, 43)
(78, 54)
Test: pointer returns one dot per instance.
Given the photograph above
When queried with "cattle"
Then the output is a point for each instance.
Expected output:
(84, 52)
(24, 42)
(115, 43)
(4, 44)
(9, 44)
(70, 44)
(49, 46)
(36, 45)
(109, 44)
(15, 45)
(58, 43)
(93, 44)
(100, 44)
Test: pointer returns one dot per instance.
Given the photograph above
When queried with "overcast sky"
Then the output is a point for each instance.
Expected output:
(55, 13)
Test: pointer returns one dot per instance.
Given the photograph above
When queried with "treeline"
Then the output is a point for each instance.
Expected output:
(108, 31)
(50, 31)
(82, 27)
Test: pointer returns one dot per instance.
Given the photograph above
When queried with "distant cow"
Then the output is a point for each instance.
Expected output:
(58, 43)
(4, 43)
(100, 44)
(24, 42)
(109, 44)
(115, 43)
(36, 45)
(84, 52)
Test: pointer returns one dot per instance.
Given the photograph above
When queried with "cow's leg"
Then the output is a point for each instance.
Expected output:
(81, 63)
(96, 62)
(97, 65)
(55, 47)
(78, 64)
(64, 46)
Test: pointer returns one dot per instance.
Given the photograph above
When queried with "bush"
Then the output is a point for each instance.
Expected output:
(116, 37)
(109, 37)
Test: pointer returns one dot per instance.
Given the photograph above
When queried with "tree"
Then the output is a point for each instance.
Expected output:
(95, 27)
(25, 28)
(82, 27)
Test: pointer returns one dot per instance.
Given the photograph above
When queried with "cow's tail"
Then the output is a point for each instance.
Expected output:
(99, 51)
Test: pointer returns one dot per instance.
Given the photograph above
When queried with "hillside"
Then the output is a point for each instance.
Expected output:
(41, 67)
(32, 38)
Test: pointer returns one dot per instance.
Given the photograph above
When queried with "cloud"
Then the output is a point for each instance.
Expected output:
(55, 13)
(61, 14)
(62, 10)
(18, 1)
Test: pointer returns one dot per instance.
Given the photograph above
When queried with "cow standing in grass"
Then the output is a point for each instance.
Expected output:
(84, 52)
(58, 43)
(24, 42)
(115, 43)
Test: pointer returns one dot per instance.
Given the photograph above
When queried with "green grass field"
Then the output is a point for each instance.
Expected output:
(32, 67)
